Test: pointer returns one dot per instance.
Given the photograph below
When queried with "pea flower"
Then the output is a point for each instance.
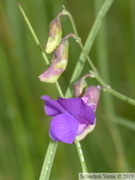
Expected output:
(91, 98)
(78, 86)
(70, 117)
(59, 63)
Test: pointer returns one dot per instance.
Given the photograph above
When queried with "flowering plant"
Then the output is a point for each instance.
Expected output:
(72, 117)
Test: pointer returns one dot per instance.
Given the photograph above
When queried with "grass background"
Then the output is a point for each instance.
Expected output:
(23, 124)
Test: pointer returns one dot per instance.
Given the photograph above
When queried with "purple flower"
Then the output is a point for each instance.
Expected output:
(70, 117)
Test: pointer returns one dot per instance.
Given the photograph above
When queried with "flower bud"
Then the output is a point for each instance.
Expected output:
(59, 63)
(55, 34)
(79, 85)
(91, 96)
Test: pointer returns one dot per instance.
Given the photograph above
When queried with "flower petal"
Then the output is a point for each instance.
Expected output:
(81, 128)
(88, 129)
(76, 107)
(63, 127)
(84, 129)
(45, 97)
(52, 107)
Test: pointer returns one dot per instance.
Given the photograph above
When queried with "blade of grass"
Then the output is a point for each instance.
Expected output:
(48, 161)
(102, 57)
(122, 121)
(33, 34)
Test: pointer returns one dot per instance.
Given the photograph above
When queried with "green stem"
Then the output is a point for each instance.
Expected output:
(96, 73)
(89, 42)
(121, 96)
(46, 169)
(80, 153)
(38, 44)
(102, 56)
(47, 165)
(59, 89)
(85, 50)
(33, 33)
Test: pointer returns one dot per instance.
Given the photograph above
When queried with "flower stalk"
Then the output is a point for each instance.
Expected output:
(89, 42)
(81, 157)
(48, 161)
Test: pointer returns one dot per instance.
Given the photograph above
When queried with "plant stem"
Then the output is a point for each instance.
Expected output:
(89, 42)
(85, 50)
(33, 33)
(121, 96)
(80, 153)
(103, 66)
(47, 165)
(59, 89)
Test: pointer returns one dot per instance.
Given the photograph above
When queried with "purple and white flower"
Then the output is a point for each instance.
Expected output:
(70, 117)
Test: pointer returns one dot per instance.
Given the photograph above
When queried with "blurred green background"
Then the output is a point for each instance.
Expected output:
(23, 124)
